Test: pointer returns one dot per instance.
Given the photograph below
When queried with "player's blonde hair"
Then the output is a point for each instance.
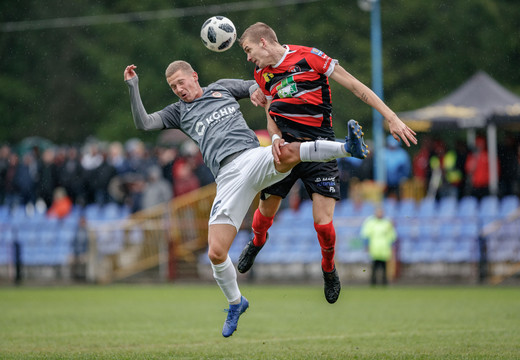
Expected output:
(178, 65)
(257, 31)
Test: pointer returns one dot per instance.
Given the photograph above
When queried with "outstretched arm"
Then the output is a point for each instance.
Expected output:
(397, 127)
(142, 119)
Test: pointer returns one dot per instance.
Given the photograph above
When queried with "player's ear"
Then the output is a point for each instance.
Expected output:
(195, 76)
(263, 42)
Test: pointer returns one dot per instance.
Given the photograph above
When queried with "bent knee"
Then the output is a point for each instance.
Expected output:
(290, 155)
(217, 256)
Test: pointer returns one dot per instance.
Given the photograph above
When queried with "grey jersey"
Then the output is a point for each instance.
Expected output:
(213, 121)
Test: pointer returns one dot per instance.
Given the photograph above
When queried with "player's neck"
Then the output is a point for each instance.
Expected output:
(277, 53)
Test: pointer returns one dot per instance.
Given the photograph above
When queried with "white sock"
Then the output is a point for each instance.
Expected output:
(322, 150)
(226, 277)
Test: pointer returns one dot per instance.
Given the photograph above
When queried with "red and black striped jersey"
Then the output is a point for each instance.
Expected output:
(299, 88)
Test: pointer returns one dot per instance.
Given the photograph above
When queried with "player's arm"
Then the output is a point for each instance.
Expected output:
(396, 126)
(275, 133)
(238, 88)
(142, 120)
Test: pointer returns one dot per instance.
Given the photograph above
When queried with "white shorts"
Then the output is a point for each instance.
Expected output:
(238, 183)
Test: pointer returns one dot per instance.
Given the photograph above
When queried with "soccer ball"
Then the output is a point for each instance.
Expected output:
(218, 33)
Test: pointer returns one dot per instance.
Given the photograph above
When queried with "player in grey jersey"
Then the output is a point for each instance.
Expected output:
(211, 117)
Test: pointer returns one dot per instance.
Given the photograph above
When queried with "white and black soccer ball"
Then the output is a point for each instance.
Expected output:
(218, 33)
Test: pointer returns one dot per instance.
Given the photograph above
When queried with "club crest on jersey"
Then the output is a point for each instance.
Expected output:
(268, 77)
(294, 68)
(216, 94)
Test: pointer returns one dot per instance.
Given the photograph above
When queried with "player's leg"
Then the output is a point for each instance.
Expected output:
(323, 150)
(220, 238)
(262, 221)
(323, 212)
(238, 182)
(270, 199)
(373, 277)
(383, 270)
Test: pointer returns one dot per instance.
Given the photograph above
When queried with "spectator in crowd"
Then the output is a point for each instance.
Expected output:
(157, 189)
(101, 177)
(12, 192)
(117, 158)
(461, 149)
(47, 177)
(477, 169)
(166, 157)
(446, 178)
(61, 205)
(71, 176)
(421, 162)
(398, 167)
(26, 178)
(5, 151)
(508, 159)
(380, 234)
(184, 179)
(137, 156)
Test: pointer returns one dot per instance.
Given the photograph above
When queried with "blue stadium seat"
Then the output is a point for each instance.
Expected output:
(390, 207)
(489, 207)
(468, 206)
(508, 204)
(407, 208)
(427, 207)
(93, 212)
(345, 208)
(465, 250)
(4, 213)
(448, 207)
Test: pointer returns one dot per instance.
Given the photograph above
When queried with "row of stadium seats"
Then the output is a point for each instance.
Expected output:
(46, 241)
(429, 231)
(91, 212)
(486, 209)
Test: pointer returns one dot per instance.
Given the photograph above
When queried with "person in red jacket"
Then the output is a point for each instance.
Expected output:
(61, 204)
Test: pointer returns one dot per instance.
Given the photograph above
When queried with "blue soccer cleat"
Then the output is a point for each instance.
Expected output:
(354, 143)
(234, 312)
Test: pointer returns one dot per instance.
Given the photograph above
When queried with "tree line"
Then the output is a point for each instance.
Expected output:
(66, 83)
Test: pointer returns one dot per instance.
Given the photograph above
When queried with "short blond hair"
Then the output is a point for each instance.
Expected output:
(257, 31)
(178, 65)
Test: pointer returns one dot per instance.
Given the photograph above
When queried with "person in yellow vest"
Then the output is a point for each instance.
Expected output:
(446, 176)
(380, 234)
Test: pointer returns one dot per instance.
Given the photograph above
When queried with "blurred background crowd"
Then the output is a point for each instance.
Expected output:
(48, 178)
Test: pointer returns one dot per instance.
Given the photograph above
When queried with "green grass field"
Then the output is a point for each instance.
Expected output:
(283, 322)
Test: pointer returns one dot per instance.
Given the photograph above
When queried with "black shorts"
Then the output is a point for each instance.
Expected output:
(320, 178)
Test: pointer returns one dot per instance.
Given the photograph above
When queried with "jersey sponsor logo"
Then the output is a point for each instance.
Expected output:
(317, 52)
(216, 116)
(325, 182)
(330, 178)
(268, 77)
(287, 88)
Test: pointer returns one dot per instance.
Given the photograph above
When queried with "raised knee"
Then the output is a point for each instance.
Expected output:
(290, 156)
(216, 256)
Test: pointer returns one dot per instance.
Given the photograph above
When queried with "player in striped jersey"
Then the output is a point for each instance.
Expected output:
(294, 80)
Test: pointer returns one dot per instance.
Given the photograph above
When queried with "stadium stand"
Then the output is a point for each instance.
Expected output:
(446, 231)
